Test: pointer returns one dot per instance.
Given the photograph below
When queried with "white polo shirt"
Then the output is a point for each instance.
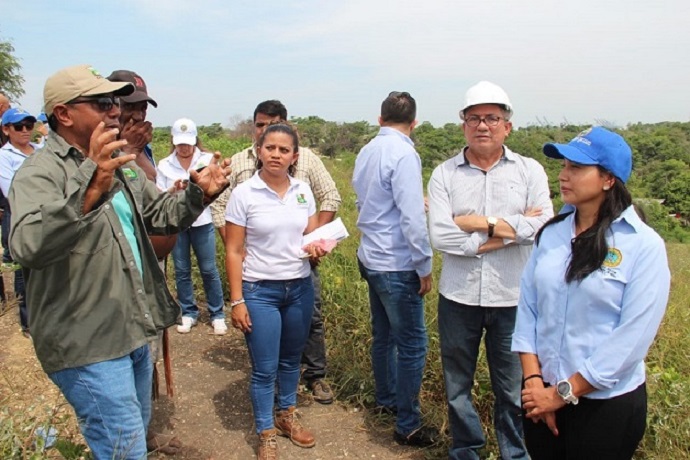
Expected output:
(274, 228)
(169, 170)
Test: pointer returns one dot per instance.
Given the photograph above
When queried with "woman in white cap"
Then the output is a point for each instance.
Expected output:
(187, 156)
(591, 300)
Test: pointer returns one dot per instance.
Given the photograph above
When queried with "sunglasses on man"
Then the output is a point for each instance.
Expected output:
(102, 103)
(24, 125)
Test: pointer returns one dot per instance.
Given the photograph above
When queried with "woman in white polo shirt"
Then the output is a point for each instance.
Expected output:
(186, 156)
(270, 286)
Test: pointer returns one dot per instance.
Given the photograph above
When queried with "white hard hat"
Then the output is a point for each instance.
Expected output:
(486, 92)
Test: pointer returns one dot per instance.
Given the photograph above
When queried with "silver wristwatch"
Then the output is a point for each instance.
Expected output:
(565, 391)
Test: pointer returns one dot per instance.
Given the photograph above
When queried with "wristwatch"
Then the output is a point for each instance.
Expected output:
(492, 221)
(565, 391)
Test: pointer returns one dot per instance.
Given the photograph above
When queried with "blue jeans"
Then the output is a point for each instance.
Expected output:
(112, 400)
(399, 346)
(203, 240)
(280, 313)
(460, 331)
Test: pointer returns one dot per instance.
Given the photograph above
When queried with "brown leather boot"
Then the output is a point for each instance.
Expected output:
(268, 445)
(289, 426)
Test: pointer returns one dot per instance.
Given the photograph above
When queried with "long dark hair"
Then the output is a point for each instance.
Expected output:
(589, 248)
(284, 128)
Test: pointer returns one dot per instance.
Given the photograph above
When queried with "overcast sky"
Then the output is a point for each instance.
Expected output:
(579, 61)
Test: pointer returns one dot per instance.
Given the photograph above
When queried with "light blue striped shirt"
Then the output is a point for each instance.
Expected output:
(506, 191)
(390, 199)
(603, 326)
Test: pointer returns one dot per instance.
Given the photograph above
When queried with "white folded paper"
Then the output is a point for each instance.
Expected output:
(331, 231)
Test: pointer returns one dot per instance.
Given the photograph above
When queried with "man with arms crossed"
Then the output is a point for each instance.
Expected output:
(82, 212)
(311, 170)
(485, 207)
(395, 260)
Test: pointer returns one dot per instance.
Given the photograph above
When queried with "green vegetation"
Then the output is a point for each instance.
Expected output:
(661, 173)
(11, 79)
(662, 164)
(348, 335)
(660, 182)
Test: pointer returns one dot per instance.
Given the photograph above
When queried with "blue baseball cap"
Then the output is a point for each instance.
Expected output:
(596, 146)
(42, 118)
(15, 115)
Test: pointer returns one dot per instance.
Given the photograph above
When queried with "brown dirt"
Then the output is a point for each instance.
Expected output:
(210, 411)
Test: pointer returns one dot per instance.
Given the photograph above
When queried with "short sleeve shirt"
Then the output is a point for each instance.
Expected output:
(274, 228)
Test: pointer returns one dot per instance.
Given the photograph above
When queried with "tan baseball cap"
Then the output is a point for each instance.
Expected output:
(81, 80)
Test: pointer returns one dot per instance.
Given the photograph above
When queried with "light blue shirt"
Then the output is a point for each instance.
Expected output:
(603, 326)
(11, 158)
(390, 199)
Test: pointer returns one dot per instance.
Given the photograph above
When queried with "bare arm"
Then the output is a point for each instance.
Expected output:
(234, 254)
(325, 217)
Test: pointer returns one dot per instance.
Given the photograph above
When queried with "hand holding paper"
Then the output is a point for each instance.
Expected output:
(324, 239)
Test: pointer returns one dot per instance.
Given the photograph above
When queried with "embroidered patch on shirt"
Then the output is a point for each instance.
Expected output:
(301, 199)
(613, 258)
(129, 173)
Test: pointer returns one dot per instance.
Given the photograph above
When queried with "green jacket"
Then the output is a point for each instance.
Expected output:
(87, 300)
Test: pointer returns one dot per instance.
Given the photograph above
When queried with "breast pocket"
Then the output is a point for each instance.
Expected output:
(98, 237)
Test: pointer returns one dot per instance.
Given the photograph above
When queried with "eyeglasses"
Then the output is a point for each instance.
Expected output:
(103, 103)
(475, 120)
(28, 126)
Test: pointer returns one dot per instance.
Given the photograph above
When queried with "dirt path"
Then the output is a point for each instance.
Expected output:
(210, 412)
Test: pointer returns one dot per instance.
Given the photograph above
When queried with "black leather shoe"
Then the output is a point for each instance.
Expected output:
(422, 437)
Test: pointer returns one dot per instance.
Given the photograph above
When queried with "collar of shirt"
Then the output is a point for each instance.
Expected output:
(8, 147)
(193, 165)
(59, 146)
(386, 131)
(461, 159)
(629, 215)
(258, 183)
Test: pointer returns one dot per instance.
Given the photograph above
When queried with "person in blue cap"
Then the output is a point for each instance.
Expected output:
(17, 126)
(591, 300)
(42, 130)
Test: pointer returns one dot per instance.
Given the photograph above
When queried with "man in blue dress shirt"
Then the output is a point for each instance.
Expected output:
(395, 260)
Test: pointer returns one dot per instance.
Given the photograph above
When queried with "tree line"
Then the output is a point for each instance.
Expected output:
(660, 182)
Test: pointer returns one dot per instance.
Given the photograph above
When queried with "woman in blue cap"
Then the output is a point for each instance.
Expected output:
(18, 127)
(591, 300)
(41, 130)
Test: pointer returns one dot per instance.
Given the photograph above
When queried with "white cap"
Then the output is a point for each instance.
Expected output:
(184, 132)
(486, 92)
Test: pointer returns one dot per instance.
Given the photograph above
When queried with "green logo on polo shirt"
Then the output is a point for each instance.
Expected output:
(300, 199)
(129, 173)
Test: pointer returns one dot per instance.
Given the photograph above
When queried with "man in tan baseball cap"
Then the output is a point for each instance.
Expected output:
(82, 210)
(81, 80)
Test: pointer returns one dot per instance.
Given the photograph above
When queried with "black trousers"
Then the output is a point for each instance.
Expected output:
(314, 354)
(594, 429)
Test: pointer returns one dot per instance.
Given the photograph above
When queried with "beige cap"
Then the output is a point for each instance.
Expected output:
(81, 80)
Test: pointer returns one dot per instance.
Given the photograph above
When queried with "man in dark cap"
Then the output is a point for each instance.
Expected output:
(97, 297)
(139, 133)
(133, 125)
